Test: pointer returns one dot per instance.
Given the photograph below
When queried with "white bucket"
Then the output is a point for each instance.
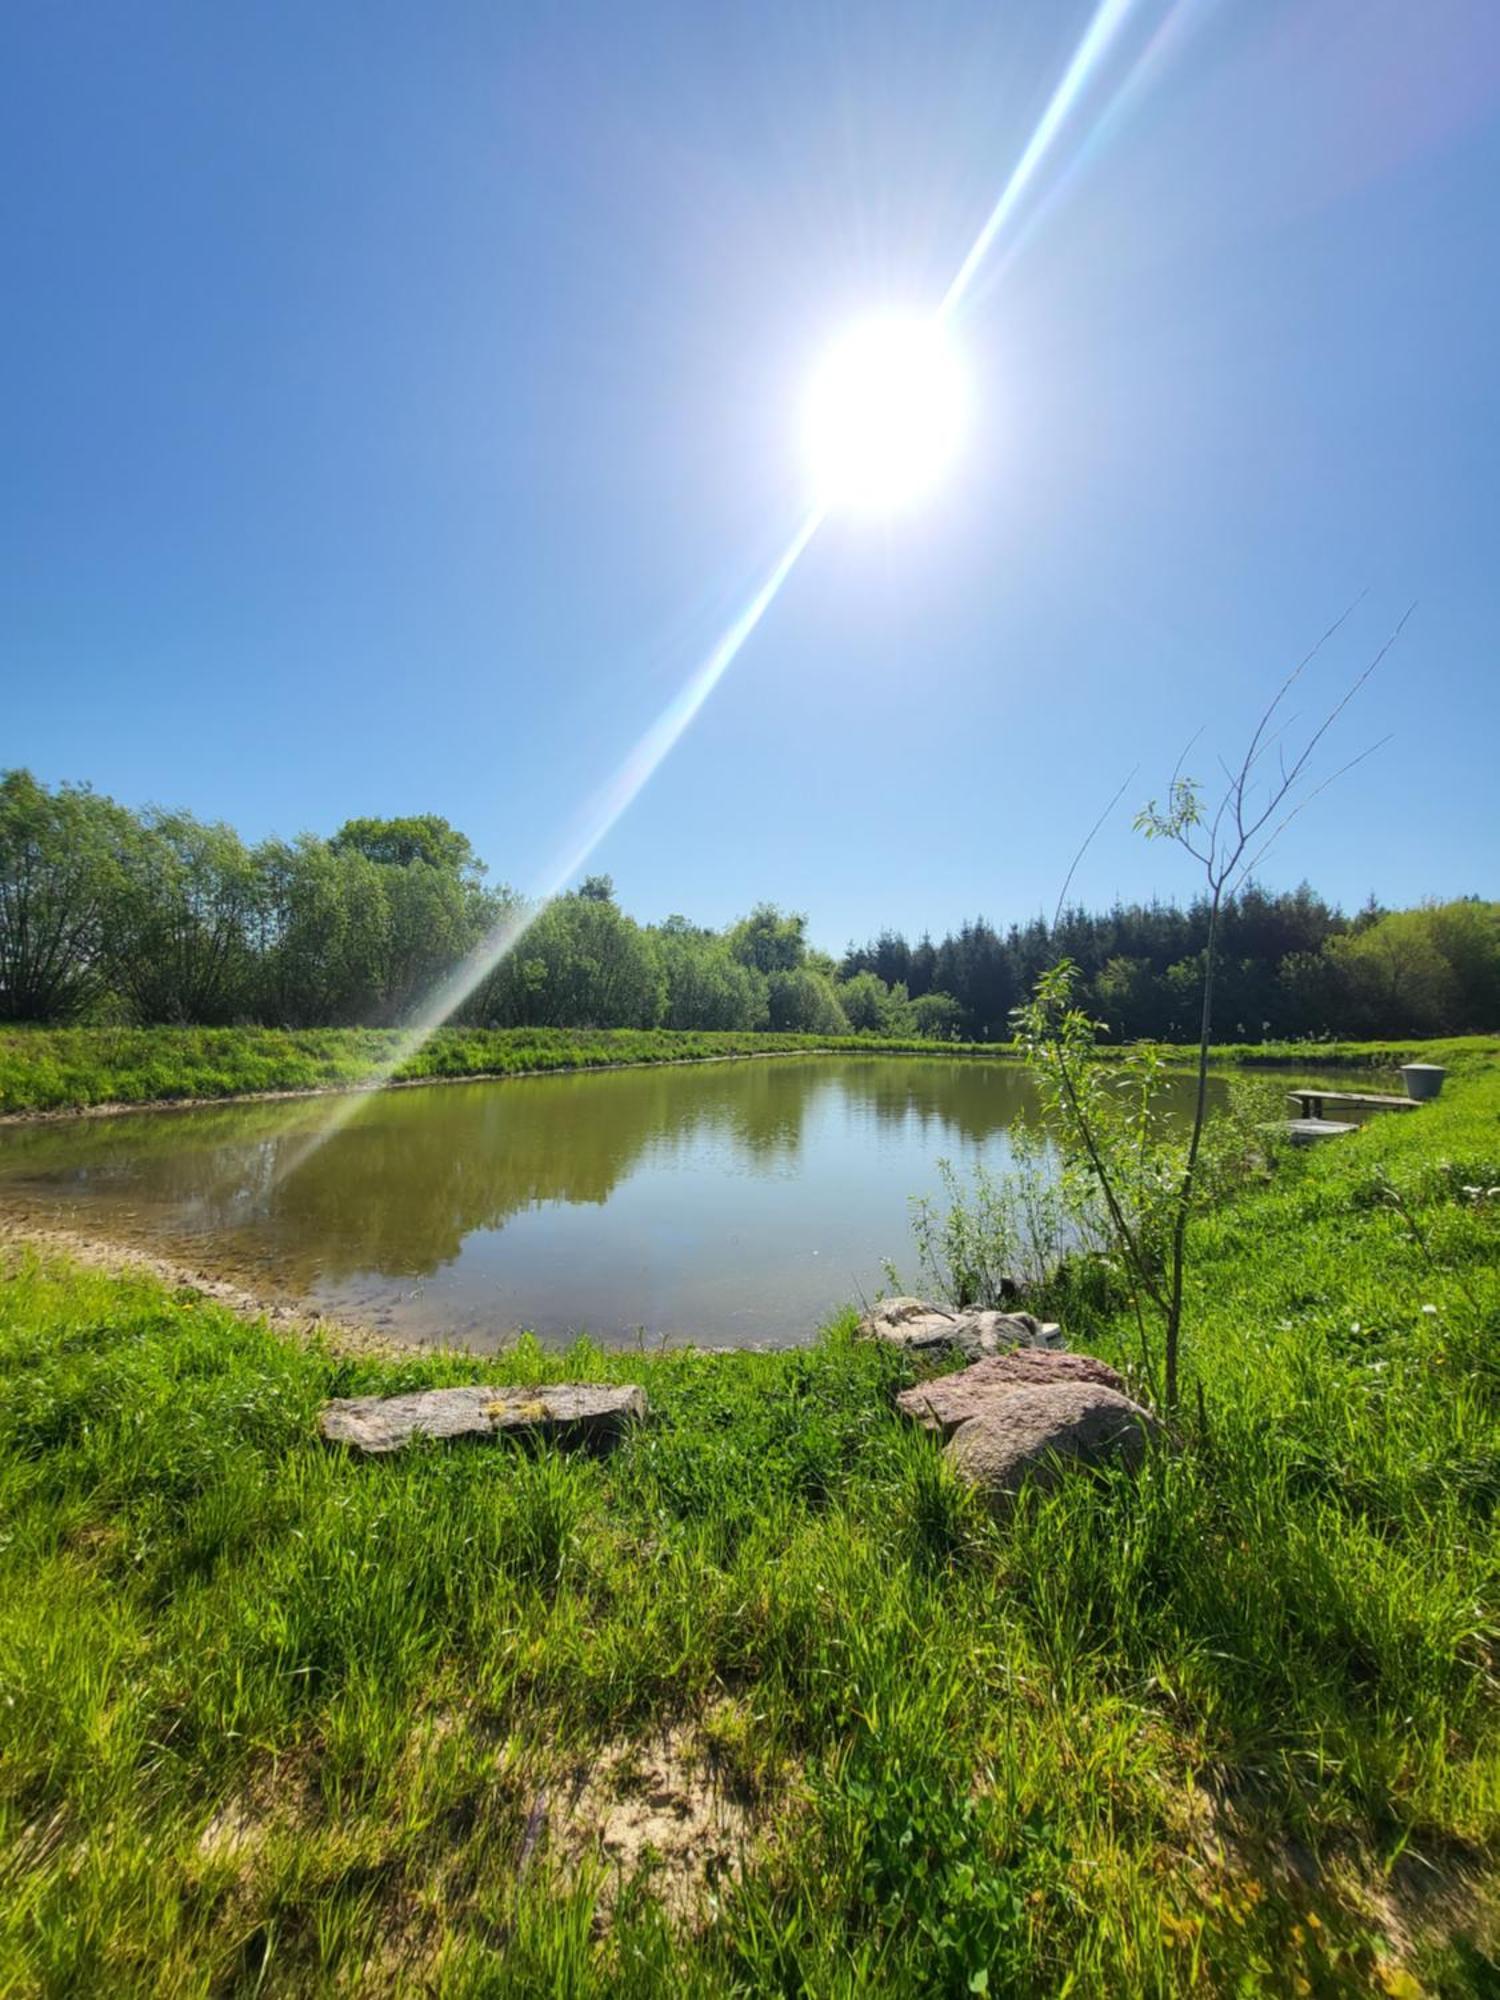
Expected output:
(1422, 1080)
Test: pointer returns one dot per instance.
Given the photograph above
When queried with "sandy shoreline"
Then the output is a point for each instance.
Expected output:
(118, 1260)
(340, 1332)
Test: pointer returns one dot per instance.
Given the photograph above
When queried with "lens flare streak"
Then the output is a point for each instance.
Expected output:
(620, 793)
(611, 803)
(1090, 52)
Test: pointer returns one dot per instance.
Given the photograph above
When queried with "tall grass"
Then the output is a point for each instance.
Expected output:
(276, 1721)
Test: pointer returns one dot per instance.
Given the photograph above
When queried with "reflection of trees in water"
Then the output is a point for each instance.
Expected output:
(969, 1099)
(410, 1173)
(411, 1176)
(225, 1155)
(413, 1172)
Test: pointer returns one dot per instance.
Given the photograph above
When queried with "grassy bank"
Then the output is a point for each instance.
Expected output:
(46, 1069)
(60, 1069)
(1456, 1052)
(274, 1721)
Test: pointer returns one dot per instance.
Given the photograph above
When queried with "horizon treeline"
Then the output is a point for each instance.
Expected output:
(112, 915)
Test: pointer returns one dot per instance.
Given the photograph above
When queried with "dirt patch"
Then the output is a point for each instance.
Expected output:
(278, 1795)
(1423, 1900)
(234, 1831)
(662, 1809)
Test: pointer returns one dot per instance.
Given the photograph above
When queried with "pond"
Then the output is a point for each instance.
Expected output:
(726, 1203)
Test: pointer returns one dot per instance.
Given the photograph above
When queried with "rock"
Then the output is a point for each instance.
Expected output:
(939, 1334)
(950, 1400)
(1036, 1433)
(901, 1319)
(569, 1413)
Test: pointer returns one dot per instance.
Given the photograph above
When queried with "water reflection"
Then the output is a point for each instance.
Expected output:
(694, 1200)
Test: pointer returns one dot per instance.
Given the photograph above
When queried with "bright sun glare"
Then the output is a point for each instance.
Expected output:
(885, 413)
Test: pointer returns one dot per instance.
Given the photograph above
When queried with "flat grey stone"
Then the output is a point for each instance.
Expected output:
(940, 1333)
(1038, 1433)
(1308, 1131)
(950, 1400)
(581, 1413)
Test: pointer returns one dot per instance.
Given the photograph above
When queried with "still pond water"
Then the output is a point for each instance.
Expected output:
(727, 1203)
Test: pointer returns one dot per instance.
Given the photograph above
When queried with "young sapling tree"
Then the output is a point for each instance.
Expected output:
(1147, 1183)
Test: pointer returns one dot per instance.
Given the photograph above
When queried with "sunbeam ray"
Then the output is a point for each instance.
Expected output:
(1165, 44)
(609, 805)
(620, 792)
(1088, 56)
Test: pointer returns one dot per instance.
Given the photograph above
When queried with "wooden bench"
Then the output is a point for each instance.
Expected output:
(1312, 1100)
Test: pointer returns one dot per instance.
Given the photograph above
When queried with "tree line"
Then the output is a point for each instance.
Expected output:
(157, 916)
(1289, 965)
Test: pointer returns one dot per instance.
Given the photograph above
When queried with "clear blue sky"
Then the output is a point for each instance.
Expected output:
(397, 401)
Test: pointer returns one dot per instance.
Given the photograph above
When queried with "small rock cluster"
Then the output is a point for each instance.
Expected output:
(1024, 1408)
(934, 1333)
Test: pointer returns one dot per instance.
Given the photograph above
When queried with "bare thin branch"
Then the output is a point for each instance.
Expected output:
(1301, 760)
(1277, 736)
(1182, 759)
(1217, 822)
(1304, 802)
(1253, 749)
(1077, 860)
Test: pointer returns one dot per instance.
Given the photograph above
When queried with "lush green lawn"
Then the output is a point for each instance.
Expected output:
(274, 1721)
(47, 1069)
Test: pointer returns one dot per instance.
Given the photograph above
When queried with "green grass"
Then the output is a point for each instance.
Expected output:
(43, 1069)
(275, 1721)
(1455, 1052)
(59, 1069)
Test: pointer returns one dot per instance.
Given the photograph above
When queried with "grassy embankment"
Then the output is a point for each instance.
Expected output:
(275, 1721)
(43, 1069)
(53, 1069)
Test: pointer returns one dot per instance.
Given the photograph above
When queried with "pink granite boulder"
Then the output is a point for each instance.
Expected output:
(950, 1400)
(1037, 1434)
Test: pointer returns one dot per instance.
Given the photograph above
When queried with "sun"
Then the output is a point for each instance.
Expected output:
(885, 413)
